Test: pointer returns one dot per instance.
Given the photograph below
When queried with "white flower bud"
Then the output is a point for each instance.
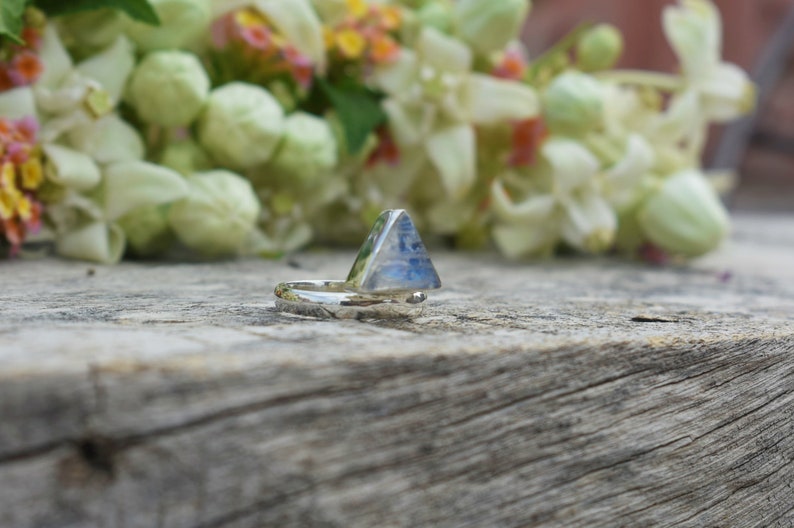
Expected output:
(185, 157)
(573, 103)
(489, 25)
(242, 125)
(308, 150)
(181, 23)
(147, 230)
(217, 215)
(599, 48)
(685, 216)
(169, 88)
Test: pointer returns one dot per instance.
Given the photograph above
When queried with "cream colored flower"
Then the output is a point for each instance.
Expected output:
(572, 208)
(434, 101)
(694, 30)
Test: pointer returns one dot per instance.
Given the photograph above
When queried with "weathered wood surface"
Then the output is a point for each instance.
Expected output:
(568, 393)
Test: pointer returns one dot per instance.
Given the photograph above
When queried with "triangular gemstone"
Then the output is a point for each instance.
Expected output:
(393, 258)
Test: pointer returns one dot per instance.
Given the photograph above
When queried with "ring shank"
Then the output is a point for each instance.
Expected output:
(331, 298)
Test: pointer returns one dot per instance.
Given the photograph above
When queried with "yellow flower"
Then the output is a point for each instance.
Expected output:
(350, 43)
(7, 176)
(391, 17)
(328, 37)
(248, 18)
(8, 202)
(357, 8)
(32, 174)
(24, 208)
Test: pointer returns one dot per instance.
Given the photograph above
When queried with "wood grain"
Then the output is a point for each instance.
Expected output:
(567, 393)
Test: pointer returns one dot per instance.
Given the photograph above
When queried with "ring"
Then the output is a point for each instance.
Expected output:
(387, 280)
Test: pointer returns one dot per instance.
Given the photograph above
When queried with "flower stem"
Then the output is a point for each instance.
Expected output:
(562, 47)
(662, 81)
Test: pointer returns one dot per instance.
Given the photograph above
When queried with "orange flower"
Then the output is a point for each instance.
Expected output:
(25, 68)
(350, 43)
(384, 49)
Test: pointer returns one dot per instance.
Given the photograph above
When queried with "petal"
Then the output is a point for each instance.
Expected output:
(409, 124)
(693, 30)
(396, 78)
(108, 140)
(534, 239)
(623, 179)
(589, 223)
(451, 150)
(443, 53)
(111, 68)
(17, 103)
(132, 184)
(493, 100)
(96, 241)
(534, 209)
(55, 59)
(393, 181)
(297, 21)
(70, 168)
(572, 164)
(727, 93)
(679, 120)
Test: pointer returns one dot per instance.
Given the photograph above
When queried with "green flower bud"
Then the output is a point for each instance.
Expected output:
(169, 88)
(599, 48)
(242, 125)
(181, 23)
(573, 103)
(489, 25)
(217, 215)
(685, 216)
(185, 157)
(147, 230)
(308, 150)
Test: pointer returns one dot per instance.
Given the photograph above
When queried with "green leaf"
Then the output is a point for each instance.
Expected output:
(358, 110)
(137, 9)
(11, 15)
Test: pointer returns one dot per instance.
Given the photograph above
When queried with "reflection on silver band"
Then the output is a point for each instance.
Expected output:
(332, 299)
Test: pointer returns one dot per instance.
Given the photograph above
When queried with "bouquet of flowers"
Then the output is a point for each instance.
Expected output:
(228, 127)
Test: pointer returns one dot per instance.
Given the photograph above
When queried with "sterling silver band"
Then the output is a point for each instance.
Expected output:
(332, 299)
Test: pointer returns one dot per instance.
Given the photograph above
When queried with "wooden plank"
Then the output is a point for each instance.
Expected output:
(567, 393)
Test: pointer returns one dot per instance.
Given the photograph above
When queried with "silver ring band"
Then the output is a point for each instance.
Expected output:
(333, 299)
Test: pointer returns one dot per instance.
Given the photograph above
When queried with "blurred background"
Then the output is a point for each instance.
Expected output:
(757, 34)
